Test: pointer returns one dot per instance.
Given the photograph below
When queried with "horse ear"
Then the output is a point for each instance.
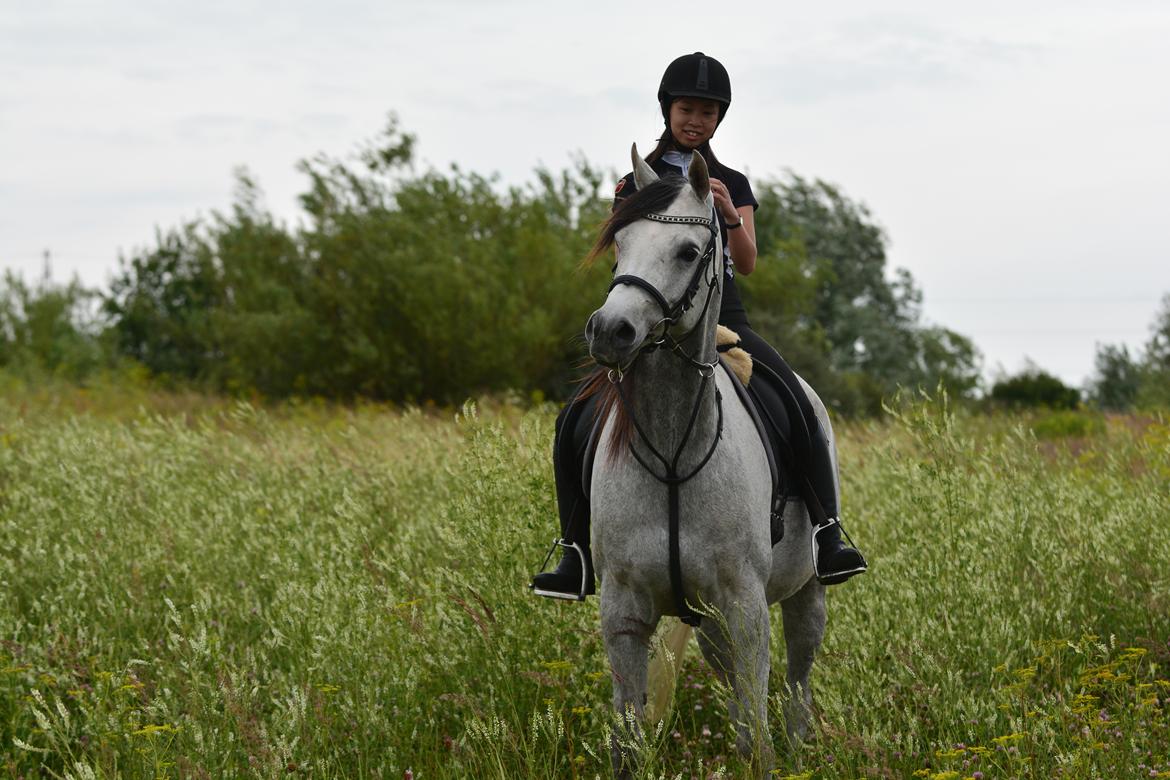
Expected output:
(700, 179)
(643, 173)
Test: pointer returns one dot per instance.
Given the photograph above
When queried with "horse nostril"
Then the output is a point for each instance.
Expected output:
(591, 327)
(624, 335)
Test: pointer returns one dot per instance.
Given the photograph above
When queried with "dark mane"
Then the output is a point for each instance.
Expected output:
(654, 197)
(597, 384)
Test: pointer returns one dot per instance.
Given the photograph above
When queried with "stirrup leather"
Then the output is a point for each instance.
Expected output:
(837, 576)
(566, 546)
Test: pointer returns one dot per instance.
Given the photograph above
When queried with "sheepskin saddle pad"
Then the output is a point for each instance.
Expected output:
(738, 360)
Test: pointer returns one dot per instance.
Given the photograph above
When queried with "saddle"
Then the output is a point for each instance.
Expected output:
(766, 402)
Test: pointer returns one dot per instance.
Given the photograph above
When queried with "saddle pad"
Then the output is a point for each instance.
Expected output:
(734, 357)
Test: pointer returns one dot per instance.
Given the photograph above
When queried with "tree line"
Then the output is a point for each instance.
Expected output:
(438, 285)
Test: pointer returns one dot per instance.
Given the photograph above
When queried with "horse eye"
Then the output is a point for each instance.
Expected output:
(688, 254)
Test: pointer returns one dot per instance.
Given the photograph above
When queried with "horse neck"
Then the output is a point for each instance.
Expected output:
(665, 392)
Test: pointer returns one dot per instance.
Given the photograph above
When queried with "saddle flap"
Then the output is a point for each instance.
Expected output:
(746, 397)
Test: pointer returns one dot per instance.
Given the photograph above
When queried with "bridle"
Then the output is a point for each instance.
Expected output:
(671, 314)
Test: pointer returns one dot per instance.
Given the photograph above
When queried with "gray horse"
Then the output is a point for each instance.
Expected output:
(676, 401)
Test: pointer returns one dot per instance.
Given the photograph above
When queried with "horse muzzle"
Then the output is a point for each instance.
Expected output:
(614, 341)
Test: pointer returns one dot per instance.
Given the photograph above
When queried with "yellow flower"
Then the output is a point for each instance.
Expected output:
(153, 728)
(1007, 739)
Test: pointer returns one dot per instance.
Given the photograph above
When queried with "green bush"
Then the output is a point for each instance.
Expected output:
(1067, 424)
(1035, 388)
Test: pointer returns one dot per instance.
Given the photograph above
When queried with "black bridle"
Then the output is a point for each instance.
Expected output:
(671, 314)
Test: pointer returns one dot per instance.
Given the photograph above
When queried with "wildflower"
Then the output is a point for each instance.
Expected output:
(582, 710)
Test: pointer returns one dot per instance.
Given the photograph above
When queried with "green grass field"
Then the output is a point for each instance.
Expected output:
(207, 589)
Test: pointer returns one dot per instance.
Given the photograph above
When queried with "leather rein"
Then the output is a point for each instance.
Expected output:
(671, 477)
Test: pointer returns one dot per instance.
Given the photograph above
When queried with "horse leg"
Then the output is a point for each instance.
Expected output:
(804, 628)
(737, 647)
(628, 620)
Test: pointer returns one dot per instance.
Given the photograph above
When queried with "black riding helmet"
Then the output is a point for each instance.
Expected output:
(695, 75)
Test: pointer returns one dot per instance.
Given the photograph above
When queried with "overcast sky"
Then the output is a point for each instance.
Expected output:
(1016, 153)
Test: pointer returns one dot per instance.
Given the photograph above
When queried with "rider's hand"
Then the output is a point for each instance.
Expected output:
(723, 201)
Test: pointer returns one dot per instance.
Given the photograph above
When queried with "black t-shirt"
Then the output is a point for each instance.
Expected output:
(731, 311)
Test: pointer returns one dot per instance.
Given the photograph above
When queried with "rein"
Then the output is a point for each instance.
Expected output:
(671, 476)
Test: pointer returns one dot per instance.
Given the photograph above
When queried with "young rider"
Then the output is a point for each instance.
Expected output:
(694, 96)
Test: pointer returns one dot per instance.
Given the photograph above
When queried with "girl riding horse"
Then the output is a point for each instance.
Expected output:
(694, 95)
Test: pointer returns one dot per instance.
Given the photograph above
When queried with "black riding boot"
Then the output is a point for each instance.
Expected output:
(834, 561)
(573, 577)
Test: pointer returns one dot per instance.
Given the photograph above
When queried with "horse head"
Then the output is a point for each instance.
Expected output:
(667, 244)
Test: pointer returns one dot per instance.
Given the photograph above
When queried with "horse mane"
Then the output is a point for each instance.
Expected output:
(597, 383)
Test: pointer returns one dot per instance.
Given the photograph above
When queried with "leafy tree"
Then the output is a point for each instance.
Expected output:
(1155, 385)
(438, 286)
(1158, 347)
(1117, 380)
(833, 310)
(48, 327)
(160, 304)
(262, 324)
(1122, 381)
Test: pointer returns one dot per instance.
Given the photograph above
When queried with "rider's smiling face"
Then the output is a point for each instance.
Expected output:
(693, 120)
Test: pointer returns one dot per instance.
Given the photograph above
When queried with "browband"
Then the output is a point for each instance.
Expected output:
(675, 220)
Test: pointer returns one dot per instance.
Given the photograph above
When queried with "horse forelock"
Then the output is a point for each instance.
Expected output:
(655, 198)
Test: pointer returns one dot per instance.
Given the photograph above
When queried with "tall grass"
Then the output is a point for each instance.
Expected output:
(214, 590)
